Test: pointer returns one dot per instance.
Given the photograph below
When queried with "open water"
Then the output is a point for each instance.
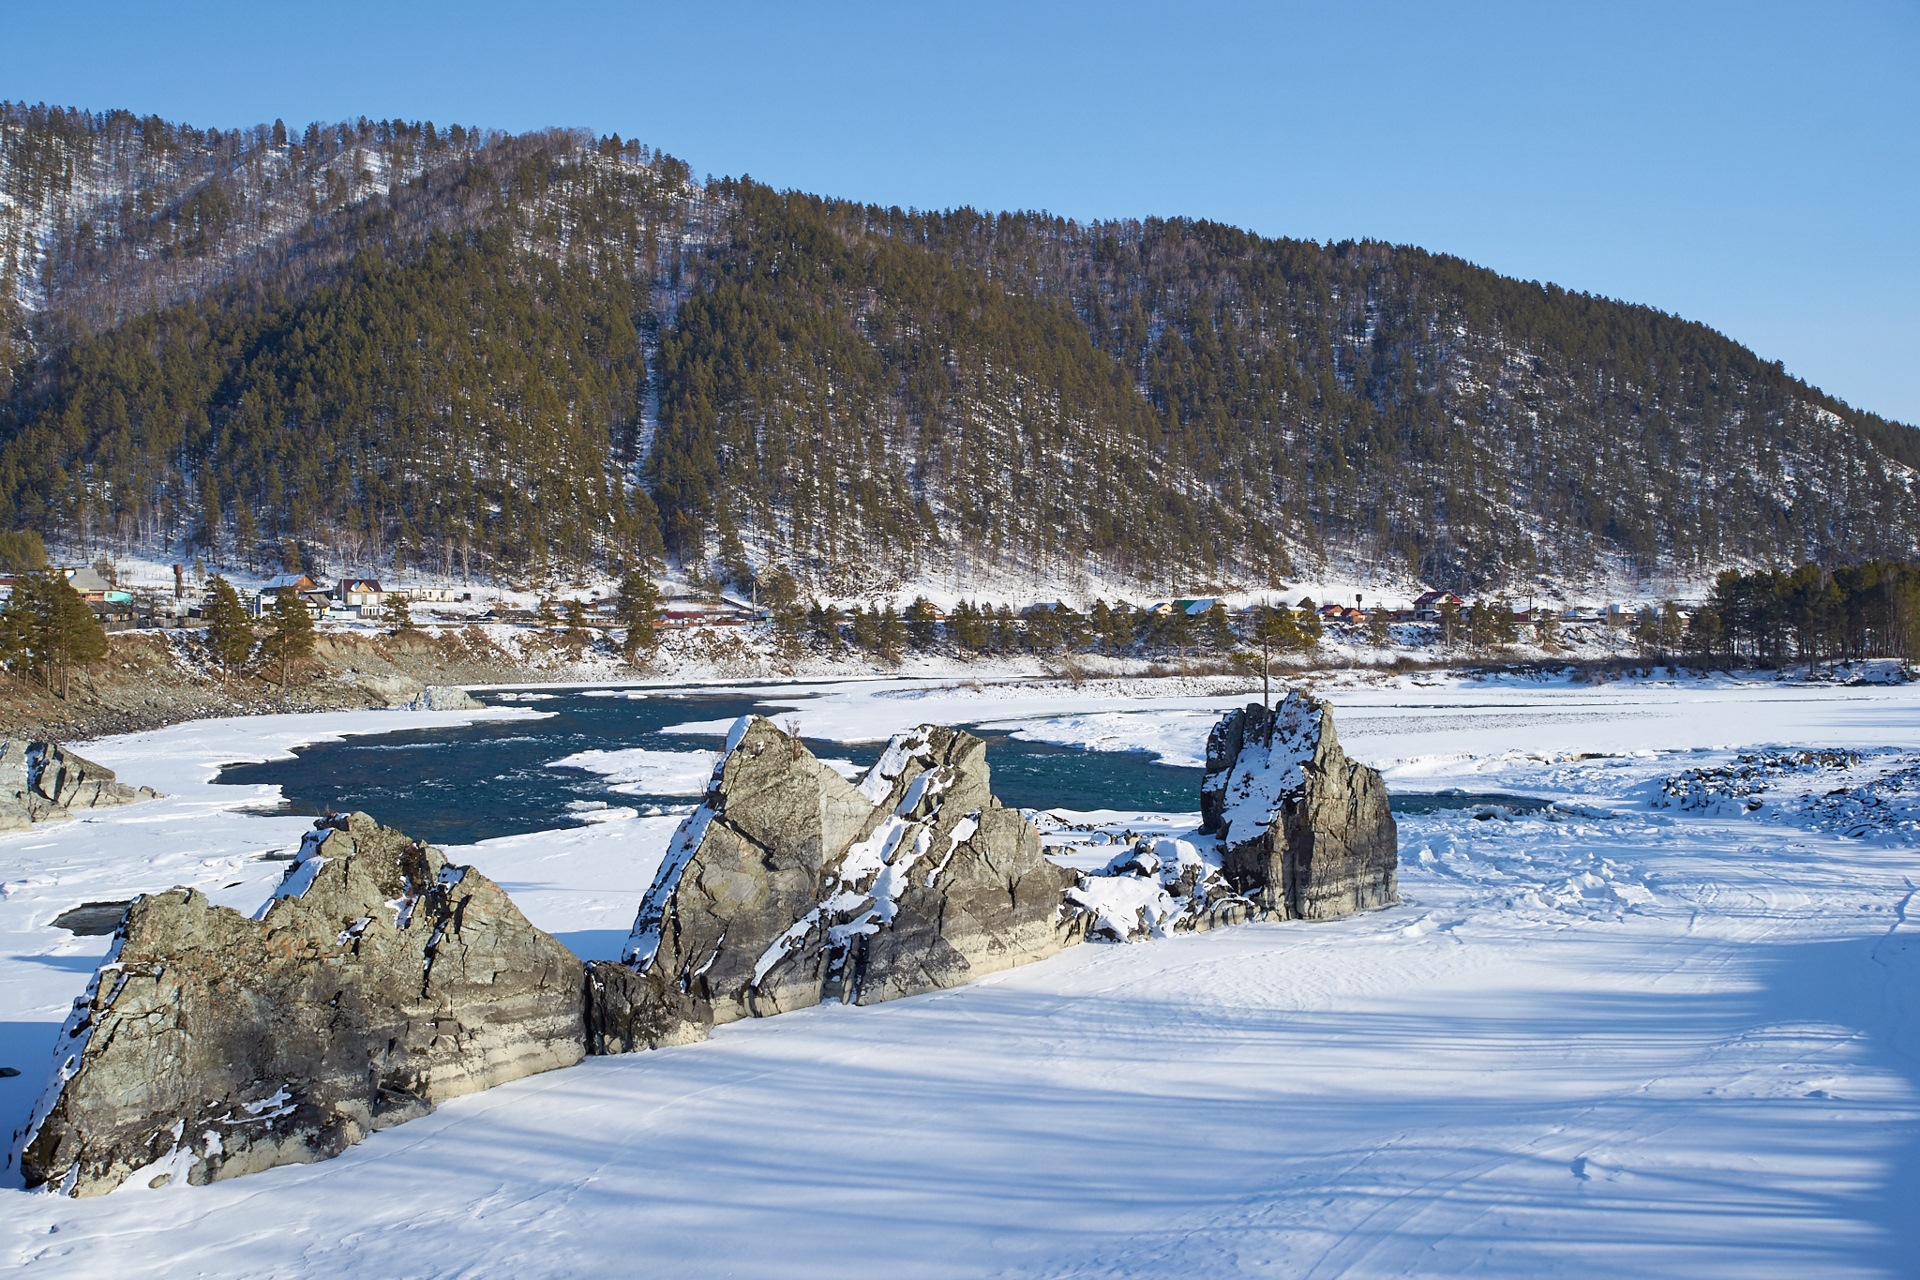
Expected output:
(496, 778)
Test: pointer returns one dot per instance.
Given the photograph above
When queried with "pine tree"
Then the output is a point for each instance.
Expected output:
(825, 621)
(865, 625)
(397, 612)
(923, 624)
(289, 635)
(229, 629)
(1219, 628)
(639, 613)
(75, 636)
(246, 534)
(890, 633)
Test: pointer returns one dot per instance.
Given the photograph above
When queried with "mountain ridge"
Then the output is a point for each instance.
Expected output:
(410, 345)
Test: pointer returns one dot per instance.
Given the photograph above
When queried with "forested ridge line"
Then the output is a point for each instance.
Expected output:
(417, 345)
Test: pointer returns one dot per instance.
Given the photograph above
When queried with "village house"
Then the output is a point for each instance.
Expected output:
(94, 588)
(360, 593)
(1427, 606)
(311, 593)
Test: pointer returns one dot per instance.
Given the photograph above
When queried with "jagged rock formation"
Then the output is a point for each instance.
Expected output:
(378, 981)
(1304, 832)
(45, 782)
(960, 888)
(790, 886)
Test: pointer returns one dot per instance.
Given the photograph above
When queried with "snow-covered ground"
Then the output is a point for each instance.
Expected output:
(1655, 1029)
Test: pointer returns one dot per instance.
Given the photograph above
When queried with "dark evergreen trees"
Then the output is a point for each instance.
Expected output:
(289, 636)
(230, 638)
(47, 629)
(239, 338)
(639, 613)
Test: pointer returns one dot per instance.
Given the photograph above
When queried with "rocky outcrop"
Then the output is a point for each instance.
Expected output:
(378, 981)
(1304, 833)
(790, 886)
(45, 782)
(958, 886)
(1155, 888)
(446, 697)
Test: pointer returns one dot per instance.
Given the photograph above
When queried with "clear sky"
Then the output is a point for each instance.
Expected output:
(1752, 165)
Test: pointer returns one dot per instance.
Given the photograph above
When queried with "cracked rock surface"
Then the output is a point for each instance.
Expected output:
(1304, 832)
(790, 886)
(378, 981)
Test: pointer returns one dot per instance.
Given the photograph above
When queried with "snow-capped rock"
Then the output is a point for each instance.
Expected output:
(45, 782)
(1303, 831)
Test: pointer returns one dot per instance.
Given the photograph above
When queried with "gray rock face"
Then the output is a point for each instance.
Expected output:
(378, 981)
(1304, 832)
(790, 886)
(959, 888)
(45, 782)
(446, 697)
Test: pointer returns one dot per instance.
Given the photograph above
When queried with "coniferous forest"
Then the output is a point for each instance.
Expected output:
(523, 356)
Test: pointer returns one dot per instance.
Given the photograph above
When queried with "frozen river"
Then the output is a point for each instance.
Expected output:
(1661, 1036)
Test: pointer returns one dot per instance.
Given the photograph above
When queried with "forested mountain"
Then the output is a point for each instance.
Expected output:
(527, 355)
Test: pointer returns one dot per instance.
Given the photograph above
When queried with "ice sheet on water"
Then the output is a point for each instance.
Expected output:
(641, 771)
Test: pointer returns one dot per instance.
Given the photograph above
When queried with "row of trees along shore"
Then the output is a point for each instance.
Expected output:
(1773, 617)
(1760, 618)
(986, 629)
(1751, 618)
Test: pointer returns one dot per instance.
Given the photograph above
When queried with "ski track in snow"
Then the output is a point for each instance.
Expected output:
(1605, 1036)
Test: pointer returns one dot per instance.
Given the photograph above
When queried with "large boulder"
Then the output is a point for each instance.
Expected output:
(1304, 832)
(446, 697)
(45, 782)
(378, 981)
(790, 885)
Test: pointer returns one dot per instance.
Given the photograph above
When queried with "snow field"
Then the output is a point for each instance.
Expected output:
(1605, 1036)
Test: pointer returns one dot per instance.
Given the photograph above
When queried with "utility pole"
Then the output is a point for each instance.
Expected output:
(1266, 642)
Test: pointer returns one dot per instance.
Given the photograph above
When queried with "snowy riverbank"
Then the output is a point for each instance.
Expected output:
(1681, 1039)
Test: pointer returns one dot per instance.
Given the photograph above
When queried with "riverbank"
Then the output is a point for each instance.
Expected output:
(152, 679)
(1637, 1028)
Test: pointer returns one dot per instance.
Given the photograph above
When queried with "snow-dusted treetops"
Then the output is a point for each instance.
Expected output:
(517, 354)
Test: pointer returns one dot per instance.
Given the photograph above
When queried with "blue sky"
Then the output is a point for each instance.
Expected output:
(1755, 166)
